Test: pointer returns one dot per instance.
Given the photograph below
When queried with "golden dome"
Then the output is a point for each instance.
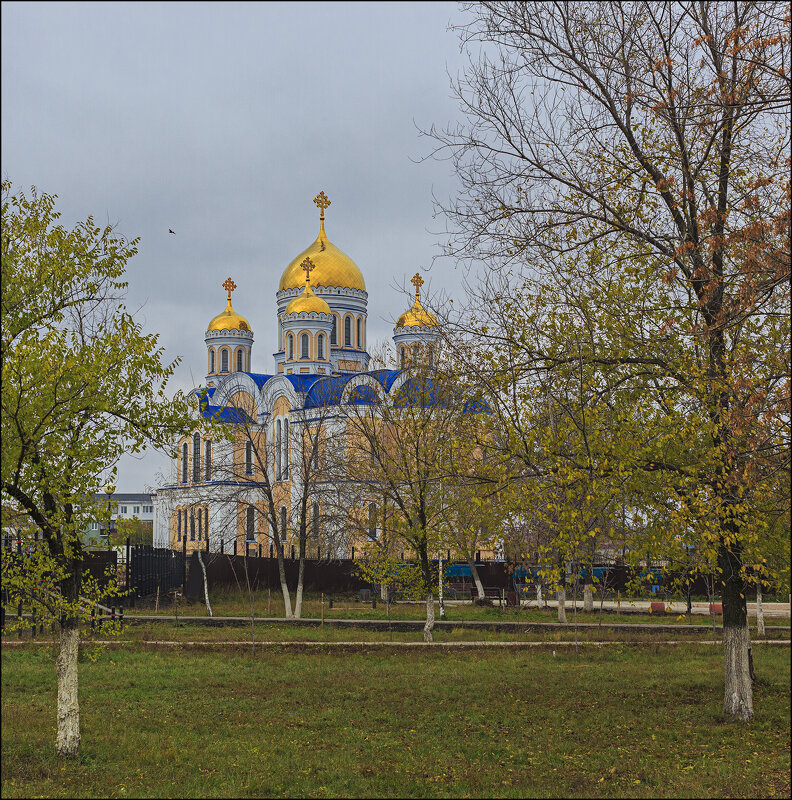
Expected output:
(417, 317)
(229, 320)
(333, 268)
(307, 302)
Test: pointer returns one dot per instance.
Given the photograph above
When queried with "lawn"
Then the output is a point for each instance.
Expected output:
(614, 722)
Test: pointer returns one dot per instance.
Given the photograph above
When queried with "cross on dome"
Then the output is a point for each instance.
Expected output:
(229, 286)
(417, 281)
(322, 202)
(309, 267)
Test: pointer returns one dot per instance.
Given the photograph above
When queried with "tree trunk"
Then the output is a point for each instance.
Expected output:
(538, 595)
(430, 619)
(738, 692)
(205, 583)
(67, 742)
(476, 578)
(588, 598)
(562, 605)
(760, 626)
(284, 585)
(299, 595)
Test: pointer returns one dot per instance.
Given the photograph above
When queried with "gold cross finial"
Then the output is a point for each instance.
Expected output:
(229, 286)
(309, 267)
(323, 203)
(417, 281)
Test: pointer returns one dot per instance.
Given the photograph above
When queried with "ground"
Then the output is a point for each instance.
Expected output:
(641, 720)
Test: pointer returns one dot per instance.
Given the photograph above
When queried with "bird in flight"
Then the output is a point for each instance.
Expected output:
(171, 231)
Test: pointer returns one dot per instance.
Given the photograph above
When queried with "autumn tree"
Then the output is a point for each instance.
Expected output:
(81, 385)
(624, 173)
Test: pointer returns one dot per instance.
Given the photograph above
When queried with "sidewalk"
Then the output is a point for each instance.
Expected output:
(774, 610)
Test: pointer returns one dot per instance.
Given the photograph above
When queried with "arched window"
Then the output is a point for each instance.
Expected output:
(199, 517)
(224, 360)
(402, 356)
(178, 525)
(315, 521)
(334, 331)
(304, 345)
(184, 467)
(250, 525)
(196, 457)
(207, 460)
(283, 523)
(278, 448)
(248, 458)
(192, 525)
(372, 520)
(416, 353)
(289, 347)
(430, 352)
(240, 360)
(347, 331)
(360, 333)
(211, 361)
(206, 523)
(320, 347)
(285, 449)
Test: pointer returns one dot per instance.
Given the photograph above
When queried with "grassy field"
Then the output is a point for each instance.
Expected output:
(194, 722)
(270, 604)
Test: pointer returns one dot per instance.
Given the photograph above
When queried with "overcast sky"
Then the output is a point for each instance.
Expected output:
(222, 122)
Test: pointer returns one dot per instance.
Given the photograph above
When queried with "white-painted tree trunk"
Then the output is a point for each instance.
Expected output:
(760, 626)
(476, 578)
(67, 742)
(538, 596)
(430, 619)
(738, 695)
(205, 583)
(588, 598)
(562, 605)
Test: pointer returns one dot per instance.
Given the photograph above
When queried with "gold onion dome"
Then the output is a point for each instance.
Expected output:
(333, 268)
(229, 320)
(307, 301)
(417, 316)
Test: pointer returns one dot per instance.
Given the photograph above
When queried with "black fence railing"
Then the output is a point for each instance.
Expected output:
(153, 569)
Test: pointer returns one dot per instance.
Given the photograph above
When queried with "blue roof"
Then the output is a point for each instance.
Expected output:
(302, 383)
(226, 414)
(259, 378)
(326, 392)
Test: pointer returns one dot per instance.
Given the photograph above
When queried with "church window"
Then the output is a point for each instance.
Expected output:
(192, 525)
(278, 446)
(360, 333)
(207, 460)
(248, 458)
(178, 525)
(372, 520)
(199, 516)
(290, 347)
(184, 467)
(320, 346)
(334, 331)
(240, 362)
(416, 352)
(316, 521)
(304, 345)
(347, 331)
(224, 360)
(196, 457)
(206, 523)
(285, 449)
(283, 523)
(250, 525)
(402, 356)
(211, 361)
(430, 351)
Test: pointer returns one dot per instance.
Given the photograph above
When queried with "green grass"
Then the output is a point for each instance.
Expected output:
(270, 604)
(187, 723)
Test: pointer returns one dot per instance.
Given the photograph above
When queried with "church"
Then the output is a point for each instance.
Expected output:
(320, 363)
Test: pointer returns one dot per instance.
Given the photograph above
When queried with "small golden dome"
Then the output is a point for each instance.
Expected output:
(333, 268)
(229, 320)
(417, 317)
(307, 302)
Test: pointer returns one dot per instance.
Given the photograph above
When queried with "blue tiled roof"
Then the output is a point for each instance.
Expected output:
(302, 383)
(227, 414)
(259, 378)
(326, 392)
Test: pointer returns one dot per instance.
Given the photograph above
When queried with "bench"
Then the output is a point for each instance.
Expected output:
(715, 608)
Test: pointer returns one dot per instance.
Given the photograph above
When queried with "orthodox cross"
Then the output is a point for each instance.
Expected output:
(417, 281)
(229, 286)
(309, 267)
(321, 201)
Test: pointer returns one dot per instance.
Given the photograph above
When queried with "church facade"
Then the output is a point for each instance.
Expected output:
(211, 495)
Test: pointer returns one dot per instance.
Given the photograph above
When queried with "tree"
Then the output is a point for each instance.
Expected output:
(626, 167)
(82, 384)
